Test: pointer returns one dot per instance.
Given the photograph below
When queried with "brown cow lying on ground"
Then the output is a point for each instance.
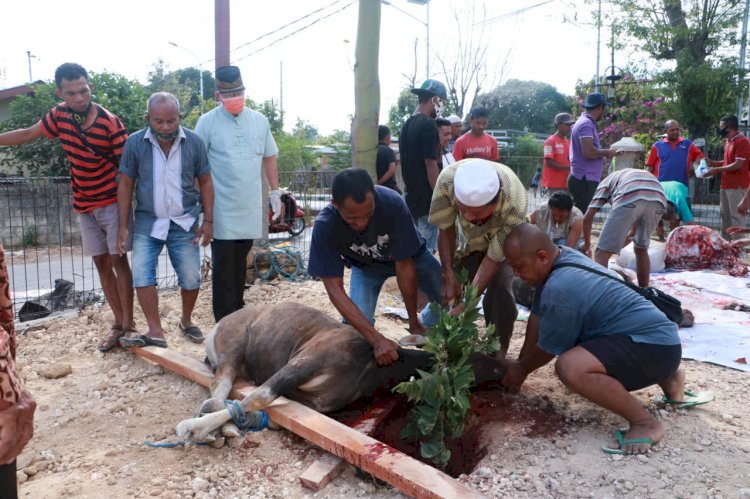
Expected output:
(300, 353)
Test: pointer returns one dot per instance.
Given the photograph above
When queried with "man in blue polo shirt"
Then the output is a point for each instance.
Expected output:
(609, 340)
(672, 158)
(369, 229)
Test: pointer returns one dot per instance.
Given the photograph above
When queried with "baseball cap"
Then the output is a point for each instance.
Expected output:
(594, 99)
(564, 118)
(453, 119)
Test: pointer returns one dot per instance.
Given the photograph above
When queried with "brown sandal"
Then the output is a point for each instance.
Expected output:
(111, 339)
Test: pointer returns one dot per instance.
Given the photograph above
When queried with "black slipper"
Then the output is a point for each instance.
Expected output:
(192, 332)
(142, 340)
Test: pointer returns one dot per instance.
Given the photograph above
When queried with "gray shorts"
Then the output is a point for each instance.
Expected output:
(99, 231)
(644, 214)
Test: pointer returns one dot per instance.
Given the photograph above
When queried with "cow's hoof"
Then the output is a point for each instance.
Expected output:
(230, 430)
(210, 405)
(217, 443)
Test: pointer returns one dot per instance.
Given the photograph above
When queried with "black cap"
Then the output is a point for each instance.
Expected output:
(229, 79)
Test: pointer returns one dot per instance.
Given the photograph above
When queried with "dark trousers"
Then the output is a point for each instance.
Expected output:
(8, 487)
(499, 303)
(582, 191)
(229, 267)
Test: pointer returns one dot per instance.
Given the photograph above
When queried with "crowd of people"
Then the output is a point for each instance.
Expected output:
(168, 186)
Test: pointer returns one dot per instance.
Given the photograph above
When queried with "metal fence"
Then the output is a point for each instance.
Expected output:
(41, 235)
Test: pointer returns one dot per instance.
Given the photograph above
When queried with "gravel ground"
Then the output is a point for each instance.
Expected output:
(95, 411)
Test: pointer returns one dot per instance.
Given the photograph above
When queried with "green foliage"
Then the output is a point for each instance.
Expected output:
(441, 395)
(526, 157)
(305, 130)
(184, 84)
(30, 236)
(685, 37)
(401, 110)
(269, 109)
(293, 153)
(523, 105)
(125, 98)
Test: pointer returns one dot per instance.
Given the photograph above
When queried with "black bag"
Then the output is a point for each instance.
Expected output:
(668, 304)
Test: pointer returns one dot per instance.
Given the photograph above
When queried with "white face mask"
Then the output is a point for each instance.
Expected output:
(437, 102)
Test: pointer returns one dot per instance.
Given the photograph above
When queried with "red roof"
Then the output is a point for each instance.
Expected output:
(9, 93)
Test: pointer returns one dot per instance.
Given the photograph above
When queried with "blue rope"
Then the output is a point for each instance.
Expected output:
(169, 445)
(277, 257)
(246, 421)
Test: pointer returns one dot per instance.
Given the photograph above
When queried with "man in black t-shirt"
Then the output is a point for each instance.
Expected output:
(385, 164)
(419, 148)
(368, 229)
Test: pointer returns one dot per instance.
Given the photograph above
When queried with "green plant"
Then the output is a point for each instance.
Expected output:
(30, 236)
(441, 395)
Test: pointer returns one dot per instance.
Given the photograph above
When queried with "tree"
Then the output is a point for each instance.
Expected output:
(687, 37)
(305, 130)
(401, 110)
(294, 155)
(125, 98)
(524, 105)
(465, 65)
(182, 83)
(366, 87)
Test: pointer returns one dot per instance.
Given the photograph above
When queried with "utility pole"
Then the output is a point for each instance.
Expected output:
(281, 92)
(743, 49)
(597, 85)
(29, 55)
(221, 27)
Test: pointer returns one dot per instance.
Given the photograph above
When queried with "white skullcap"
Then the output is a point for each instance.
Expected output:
(476, 182)
(453, 119)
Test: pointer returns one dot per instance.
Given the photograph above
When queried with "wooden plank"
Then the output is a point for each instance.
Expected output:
(410, 476)
(326, 468)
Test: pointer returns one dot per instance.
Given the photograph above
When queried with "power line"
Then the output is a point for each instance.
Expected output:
(511, 14)
(297, 31)
(287, 25)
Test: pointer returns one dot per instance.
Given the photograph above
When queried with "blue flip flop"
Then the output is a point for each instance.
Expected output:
(620, 437)
(142, 340)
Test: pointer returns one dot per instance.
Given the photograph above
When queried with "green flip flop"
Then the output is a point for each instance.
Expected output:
(691, 399)
(620, 437)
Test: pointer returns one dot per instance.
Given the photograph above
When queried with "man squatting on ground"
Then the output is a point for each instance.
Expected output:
(475, 205)
(17, 406)
(93, 139)
(369, 229)
(163, 163)
(239, 145)
(609, 340)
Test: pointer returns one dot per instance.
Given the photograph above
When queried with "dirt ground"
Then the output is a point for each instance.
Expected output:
(92, 421)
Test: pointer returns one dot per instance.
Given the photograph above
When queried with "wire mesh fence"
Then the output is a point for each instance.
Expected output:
(41, 234)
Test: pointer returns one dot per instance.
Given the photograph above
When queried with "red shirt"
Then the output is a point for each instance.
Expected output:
(737, 147)
(94, 154)
(654, 160)
(556, 148)
(469, 146)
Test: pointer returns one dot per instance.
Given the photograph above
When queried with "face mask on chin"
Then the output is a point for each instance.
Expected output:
(165, 137)
(233, 105)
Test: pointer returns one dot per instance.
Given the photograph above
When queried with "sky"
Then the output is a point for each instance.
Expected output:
(311, 68)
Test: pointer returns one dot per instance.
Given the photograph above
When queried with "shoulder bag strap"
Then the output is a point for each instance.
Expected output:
(599, 272)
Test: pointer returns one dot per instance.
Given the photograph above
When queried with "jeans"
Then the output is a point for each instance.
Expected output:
(428, 231)
(365, 284)
(184, 253)
(229, 272)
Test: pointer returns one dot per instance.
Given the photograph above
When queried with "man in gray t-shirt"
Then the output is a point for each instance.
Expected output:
(609, 339)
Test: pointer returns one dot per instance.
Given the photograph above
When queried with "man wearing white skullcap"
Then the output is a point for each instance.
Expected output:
(476, 203)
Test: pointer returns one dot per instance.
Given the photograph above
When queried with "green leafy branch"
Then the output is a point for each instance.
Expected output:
(441, 395)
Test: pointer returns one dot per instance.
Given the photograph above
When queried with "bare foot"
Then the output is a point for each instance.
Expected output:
(640, 437)
(674, 386)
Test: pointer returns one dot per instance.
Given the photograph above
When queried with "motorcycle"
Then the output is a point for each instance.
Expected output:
(292, 218)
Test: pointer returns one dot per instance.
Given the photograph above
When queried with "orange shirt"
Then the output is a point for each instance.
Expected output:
(738, 147)
(557, 149)
(469, 146)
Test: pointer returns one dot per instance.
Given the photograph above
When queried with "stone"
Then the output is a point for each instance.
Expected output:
(56, 371)
(743, 494)
(706, 442)
(484, 472)
(642, 458)
(31, 470)
(21, 476)
(198, 484)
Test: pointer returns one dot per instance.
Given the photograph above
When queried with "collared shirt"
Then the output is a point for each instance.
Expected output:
(167, 190)
(580, 165)
(488, 237)
(672, 160)
(737, 147)
(236, 147)
(557, 149)
(139, 162)
(627, 186)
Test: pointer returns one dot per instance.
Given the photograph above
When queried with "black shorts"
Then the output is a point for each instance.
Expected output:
(635, 365)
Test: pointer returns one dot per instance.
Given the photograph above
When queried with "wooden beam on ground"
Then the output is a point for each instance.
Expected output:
(383, 461)
(327, 467)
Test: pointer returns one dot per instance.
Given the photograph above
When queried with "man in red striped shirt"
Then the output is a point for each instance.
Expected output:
(93, 139)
